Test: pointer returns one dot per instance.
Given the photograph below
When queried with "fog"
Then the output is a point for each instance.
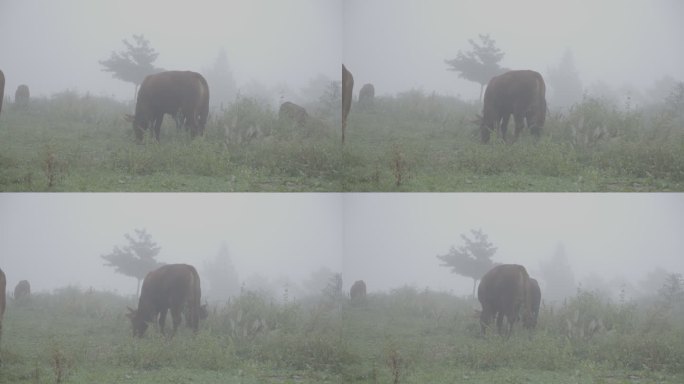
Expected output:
(395, 44)
(54, 46)
(402, 44)
(54, 240)
(388, 240)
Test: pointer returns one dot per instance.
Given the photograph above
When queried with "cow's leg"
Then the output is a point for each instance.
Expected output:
(503, 126)
(519, 123)
(499, 321)
(157, 125)
(162, 320)
(176, 316)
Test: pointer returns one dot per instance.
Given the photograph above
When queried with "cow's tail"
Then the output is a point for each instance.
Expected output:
(194, 301)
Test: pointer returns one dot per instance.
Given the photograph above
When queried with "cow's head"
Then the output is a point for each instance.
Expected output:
(139, 324)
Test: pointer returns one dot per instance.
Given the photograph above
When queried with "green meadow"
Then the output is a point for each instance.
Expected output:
(409, 142)
(402, 336)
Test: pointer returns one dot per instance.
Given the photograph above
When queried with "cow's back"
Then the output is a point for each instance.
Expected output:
(358, 290)
(521, 93)
(503, 290)
(171, 287)
(22, 290)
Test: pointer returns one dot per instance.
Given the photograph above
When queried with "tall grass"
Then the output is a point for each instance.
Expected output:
(410, 142)
(403, 336)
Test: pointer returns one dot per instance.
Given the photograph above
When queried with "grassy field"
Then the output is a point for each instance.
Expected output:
(404, 336)
(411, 142)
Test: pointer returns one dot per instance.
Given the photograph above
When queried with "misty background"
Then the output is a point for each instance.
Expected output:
(616, 48)
(264, 47)
(274, 242)
(292, 50)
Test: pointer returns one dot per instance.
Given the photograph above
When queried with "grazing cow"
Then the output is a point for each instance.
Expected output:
(22, 96)
(22, 290)
(174, 287)
(520, 93)
(3, 284)
(366, 96)
(2, 89)
(347, 88)
(358, 291)
(503, 292)
(534, 295)
(181, 94)
(293, 112)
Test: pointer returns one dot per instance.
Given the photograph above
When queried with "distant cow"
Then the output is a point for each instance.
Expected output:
(518, 93)
(534, 295)
(174, 287)
(503, 292)
(22, 290)
(292, 112)
(347, 88)
(2, 89)
(181, 94)
(358, 291)
(366, 96)
(3, 284)
(22, 96)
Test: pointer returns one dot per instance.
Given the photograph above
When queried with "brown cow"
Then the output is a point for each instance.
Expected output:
(503, 292)
(22, 96)
(2, 88)
(366, 96)
(22, 290)
(518, 93)
(534, 295)
(292, 112)
(347, 88)
(173, 287)
(358, 291)
(3, 284)
(183, 93)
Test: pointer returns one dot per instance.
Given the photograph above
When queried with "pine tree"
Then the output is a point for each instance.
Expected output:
(222, 276)
(135, 259)
(473, 259)
(558, 275)
(221, 80)
(133, 64)
(564, 81)
(480, 64)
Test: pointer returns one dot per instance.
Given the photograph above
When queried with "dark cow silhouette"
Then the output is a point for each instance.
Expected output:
(503, 292)
(292, 112)
(2, 89)
(22, 96)
(366, 96)
(3, 284)
(174, 287)
(534, 295)
(347, 88)
(22, 290)
(357, 292)
(518, 93)
(181, 94)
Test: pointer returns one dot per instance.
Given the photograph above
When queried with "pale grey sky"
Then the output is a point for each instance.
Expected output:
(55, 45)
(395, 44)
(57, 239)
(388, 240)
(402, 44)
